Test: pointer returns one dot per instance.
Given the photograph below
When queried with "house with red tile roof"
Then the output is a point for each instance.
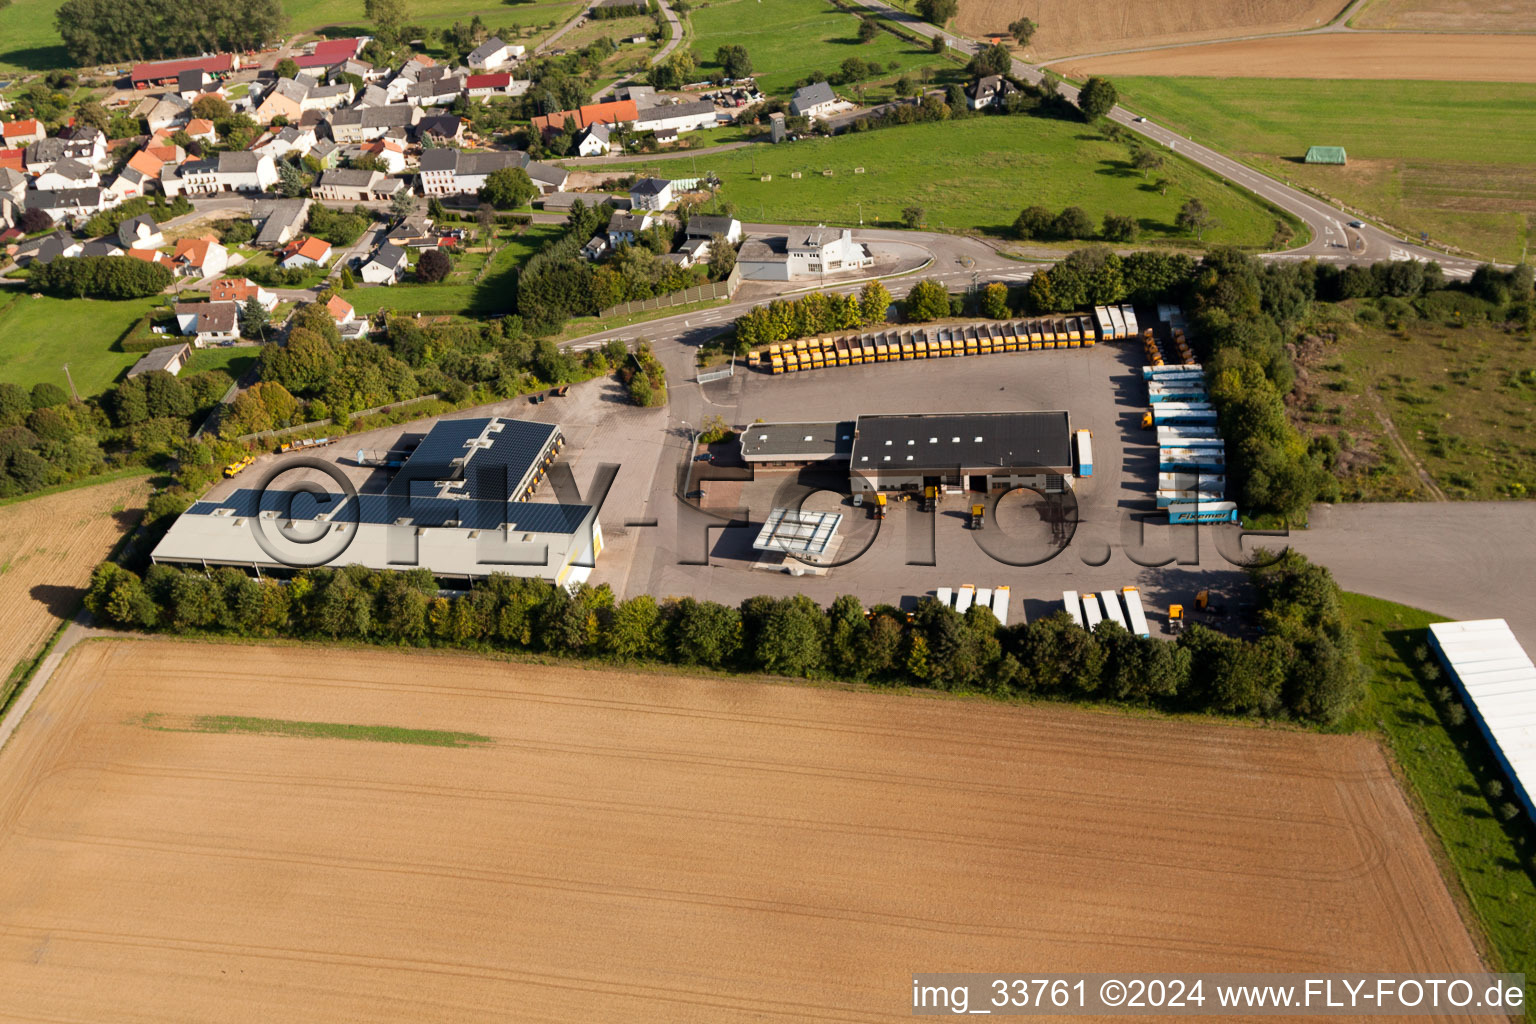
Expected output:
(200, 257)
(304, 252)
(612, 112)
(23, 133)
(241, 290)
(340, 309)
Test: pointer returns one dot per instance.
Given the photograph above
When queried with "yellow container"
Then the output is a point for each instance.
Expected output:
(920, 348)
(908, 348)
(817, 359)
(791, 362)
(778, 364)
(972, 345)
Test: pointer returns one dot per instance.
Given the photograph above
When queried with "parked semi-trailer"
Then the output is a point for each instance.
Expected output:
(1172, 372)
(1084, 453)
(1091, 614)
(1074, 607)
(1192, 460)
(1001, 598)
(1112, 608)
(1184, 513)
(1132, 329)
(1119, 323)
(964, 596)
(1183, 412)
(1136, 618)
(1193, 390)
(1189, 437)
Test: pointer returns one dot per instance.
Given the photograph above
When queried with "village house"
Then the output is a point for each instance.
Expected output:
(240, 290)
(651, 194)
(446, 172)
(442, 129)
(804, 253)
(681, 117)
(436, 91)
(208, 323)
(328, 54)
(613, 112)
(360, 124)
(385, 266)
(387, 151)
(500, 83)
(152, 256)
(246, 172)
(69, 202)
(812, 100)
(706, 226)
(351, 185)
(623, 227)
(140, 232)
(67, 173)
(200, 257)
(492, 53)
(85, 143)
(200, 129)
(278, 221)
(595, 141)
(989, 91)
(304, 252)
(23, 133)
(168, 111)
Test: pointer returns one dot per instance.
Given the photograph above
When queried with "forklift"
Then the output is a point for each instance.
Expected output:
(978, 517)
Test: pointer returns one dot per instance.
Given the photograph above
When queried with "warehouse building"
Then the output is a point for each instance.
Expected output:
(459, 506)
(972, 451)
(1495, 677)
(969, 451)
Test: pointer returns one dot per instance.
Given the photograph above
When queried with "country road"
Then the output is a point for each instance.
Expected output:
(1333, 238)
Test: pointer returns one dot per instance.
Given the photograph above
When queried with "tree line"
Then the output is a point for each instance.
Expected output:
(109, 31)
(1305, 667)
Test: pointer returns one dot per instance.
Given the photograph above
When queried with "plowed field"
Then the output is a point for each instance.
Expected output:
(1096, 26)
(48, 547)
(1405, 55)
(1449, 15)
(186, 834)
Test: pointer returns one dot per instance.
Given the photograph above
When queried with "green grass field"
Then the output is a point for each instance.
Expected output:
(1455, 160)
(792, 39)
(1460, 398)
(973, 174)
(38, 336)
(235, 360)
(491, 295)
(1448, 768)
(239, 724)
(29, 42)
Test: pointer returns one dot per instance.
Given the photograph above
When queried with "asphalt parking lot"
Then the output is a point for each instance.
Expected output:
(1103, 545)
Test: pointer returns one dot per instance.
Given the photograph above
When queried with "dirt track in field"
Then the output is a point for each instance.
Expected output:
(636, 847)
(48, 547)
(1462, 58)
(1095, 26)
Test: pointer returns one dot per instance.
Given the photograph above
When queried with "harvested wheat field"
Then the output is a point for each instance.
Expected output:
(196, 832)
(1096, 26)
(48, 547)
(1449, 15)
(1462, 58)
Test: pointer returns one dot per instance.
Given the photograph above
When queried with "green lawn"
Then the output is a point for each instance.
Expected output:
(38, 336)
(235, 360)
(29, 42)
(1456, 160)
(792, 39)
(1460, 398)
(1449, 769)
(491, 295)
(972, 174)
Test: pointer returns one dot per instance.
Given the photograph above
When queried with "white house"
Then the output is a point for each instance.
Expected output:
(385, 265)
(246, 172)
(682, 117)
(387, 151)
(447, 172)
(349, 184)
(208, 323)
(87, 144)
(358, 124)
(435, 92)
(500, 83)
(200, 257)
(170, 112)
(240, 290)
(67, 173)
(651, 194)
(69, 202)
(304, 252)
(812, 100)
(989, 91)
(623, 227)
(706, 226)
(596, 141)
(140, 232)
(492, 53)
(279, 142)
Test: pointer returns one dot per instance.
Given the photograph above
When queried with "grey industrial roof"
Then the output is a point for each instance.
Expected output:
(1005, 440)
(385, 509)
(494, 470)
(772, 441)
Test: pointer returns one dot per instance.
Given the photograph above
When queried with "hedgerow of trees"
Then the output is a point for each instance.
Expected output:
(99, 277)
(816, 313)
(1305, 667)
(107, 31)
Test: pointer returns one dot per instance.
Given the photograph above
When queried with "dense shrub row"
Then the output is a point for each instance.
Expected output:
(99, 277)
(1304, 667)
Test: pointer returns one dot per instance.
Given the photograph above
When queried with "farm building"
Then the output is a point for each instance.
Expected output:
(460, 505)
(170, 358)
(1327, 155)
(1495, 677)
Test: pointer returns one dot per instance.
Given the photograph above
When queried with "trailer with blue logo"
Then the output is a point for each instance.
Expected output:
(1187, 513)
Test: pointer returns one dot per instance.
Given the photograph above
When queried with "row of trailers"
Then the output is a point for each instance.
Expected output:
(1092, 609)
(964, 598)
(1117, 323)
(1191, 455)
(924, 343)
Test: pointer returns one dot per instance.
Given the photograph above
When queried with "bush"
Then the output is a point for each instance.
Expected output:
(100, 277)
(433, 266)
(928, 300)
